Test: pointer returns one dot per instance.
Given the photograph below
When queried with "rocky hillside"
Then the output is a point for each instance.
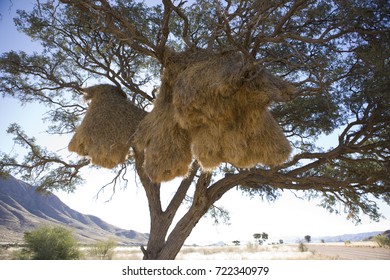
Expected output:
(23, 209)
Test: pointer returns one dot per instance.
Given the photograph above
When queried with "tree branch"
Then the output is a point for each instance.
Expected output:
(108, 20)
(185, 35)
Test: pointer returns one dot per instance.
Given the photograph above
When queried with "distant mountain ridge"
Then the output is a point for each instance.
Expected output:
(352, 237)
(23, 209)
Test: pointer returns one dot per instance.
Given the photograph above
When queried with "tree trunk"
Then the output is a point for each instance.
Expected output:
(181, 232)
(158, 232)
(160, 248)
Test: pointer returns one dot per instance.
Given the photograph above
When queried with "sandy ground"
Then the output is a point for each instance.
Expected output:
(319, 251)
(346, 252)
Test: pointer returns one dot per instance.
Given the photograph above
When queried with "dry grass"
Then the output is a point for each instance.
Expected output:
(106, 131)
(244, 252)
(247, 252)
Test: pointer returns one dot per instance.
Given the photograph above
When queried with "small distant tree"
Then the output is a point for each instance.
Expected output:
(281, 241)
(51, 243)
(307, 238)
(236, 242)
(260, 237)
(257, 237)
(264, 236)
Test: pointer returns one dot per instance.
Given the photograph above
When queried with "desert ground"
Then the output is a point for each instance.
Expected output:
(317, 251)
(312, 251)
(353, 251)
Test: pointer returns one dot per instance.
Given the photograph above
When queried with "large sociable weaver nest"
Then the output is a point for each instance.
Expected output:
(210, 107)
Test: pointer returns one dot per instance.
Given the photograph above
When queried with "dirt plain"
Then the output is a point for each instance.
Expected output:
(347, 252)
(316, 251)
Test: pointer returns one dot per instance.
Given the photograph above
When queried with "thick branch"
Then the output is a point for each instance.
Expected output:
(183, 228)
(181, 192)
(185, 35)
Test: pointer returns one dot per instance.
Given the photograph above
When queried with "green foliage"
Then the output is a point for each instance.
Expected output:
(103, 250)
(261, 237)
(382, 240)
(57, 173)
(50, 243)
(257, 236)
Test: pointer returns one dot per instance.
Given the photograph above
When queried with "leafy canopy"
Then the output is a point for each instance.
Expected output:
(336, 52)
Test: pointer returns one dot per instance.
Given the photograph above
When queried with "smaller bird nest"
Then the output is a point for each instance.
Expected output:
(166, 146)
(105, 133)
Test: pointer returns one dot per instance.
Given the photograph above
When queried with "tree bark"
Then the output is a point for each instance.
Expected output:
(160, 221)
(160, 247)
(184, 227)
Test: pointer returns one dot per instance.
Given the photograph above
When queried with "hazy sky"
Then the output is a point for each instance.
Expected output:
(288, 216)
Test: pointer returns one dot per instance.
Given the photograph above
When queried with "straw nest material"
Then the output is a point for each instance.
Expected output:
(166, 146)
(222, 101)
(223, 87)
(106, 131)
(240, 145)
(212, 107)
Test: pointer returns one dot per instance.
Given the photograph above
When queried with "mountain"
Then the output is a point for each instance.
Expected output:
(351, 237)
(23, 209)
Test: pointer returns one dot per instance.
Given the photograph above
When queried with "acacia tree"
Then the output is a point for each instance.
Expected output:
(260, 237)
(335, 52)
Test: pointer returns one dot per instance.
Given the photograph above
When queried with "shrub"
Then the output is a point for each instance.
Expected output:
(302, 247)
(50, 243)
(251, 247)
(103, 250)
(382, 241)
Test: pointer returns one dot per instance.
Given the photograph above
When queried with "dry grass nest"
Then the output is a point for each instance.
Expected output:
(105, 133)
(210, 107)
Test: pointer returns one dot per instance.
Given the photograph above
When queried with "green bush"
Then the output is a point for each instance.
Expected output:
(382, 240)
(103, 250)
(50, 243)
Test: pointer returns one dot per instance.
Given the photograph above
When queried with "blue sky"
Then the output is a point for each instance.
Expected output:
(288, 216)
